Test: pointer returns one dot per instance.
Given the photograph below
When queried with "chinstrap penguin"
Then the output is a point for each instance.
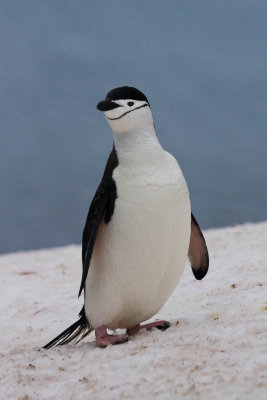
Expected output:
(138, 232)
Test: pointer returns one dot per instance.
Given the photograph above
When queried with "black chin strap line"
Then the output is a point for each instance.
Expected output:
(127, 112)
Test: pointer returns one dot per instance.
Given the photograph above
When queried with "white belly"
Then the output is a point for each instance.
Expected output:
(140, 255)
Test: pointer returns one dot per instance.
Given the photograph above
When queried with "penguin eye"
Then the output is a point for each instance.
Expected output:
(130, 103)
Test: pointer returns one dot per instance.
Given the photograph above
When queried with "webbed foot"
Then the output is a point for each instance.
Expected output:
(162, 325)
(103, 339)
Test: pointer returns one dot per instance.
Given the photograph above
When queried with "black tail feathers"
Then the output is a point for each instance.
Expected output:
(75, 332)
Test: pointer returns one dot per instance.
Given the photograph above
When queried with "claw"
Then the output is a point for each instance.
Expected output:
(165, 325)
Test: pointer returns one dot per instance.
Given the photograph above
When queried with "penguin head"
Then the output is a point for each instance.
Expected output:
(126, 109)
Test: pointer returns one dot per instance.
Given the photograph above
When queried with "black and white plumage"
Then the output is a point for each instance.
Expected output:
(139, 229)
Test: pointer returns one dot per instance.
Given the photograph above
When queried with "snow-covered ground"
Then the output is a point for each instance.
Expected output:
(216, 347)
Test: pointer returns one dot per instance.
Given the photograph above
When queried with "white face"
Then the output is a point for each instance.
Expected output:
(129, 116)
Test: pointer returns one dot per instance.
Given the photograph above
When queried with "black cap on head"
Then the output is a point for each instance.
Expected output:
(126, 92)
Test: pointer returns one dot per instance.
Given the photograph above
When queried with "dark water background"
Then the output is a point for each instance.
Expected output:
(203, 66)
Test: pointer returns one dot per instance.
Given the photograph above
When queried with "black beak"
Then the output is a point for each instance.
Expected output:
(107, 105)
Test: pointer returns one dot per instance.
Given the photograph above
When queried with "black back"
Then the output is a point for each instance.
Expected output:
(102, 207)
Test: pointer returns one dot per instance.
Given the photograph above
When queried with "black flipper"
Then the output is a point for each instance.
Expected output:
(198, 253)
(76, 331)
(101, 207)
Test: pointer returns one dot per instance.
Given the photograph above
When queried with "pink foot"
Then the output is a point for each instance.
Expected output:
(162, 325)
(103, 339)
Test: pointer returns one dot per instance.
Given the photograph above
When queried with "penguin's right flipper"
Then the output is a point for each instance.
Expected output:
(198, 253)
(102, 207)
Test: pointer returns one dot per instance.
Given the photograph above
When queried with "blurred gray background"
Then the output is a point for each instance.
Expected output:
(203, 66)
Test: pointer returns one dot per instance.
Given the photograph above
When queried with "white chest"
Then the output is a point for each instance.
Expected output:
(151, 198)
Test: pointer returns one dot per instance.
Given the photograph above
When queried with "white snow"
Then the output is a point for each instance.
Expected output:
(215, 348)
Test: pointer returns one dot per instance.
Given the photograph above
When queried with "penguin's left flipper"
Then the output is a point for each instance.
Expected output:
(198, 253)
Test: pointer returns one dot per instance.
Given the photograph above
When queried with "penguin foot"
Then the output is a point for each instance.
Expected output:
(103, 339)
(162, 325)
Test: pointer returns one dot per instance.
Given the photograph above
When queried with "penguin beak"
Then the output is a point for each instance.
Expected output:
(107, 105)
